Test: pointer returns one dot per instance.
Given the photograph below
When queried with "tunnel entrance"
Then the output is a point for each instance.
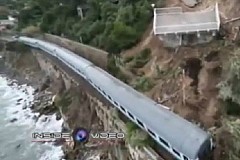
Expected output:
(192, 67)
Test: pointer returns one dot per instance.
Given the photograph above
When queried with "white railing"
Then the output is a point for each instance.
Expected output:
(168, 10)
(186, 28)
(217, 15)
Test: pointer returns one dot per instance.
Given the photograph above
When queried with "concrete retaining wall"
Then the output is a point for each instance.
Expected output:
(97, 56)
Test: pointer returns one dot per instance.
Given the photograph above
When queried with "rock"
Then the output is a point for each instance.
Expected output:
(24, 107)
(191, 3)
(35, 118)
(36, 91)
(27, 116)
(18, 103)
(45, 84)
(18, 146)
(59, 142)
(58, 116)
(19, 100)
(32, 106)
(15, 112)
(45, 119)
(13, 120)
(65, 127)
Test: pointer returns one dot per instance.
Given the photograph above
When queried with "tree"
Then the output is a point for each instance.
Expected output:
(110, 25)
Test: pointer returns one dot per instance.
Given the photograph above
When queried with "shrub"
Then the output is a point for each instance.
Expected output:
(31, 30)
(230, 87)
(142, 58)
(135, 135)
(128, 59)
(63, 101)
(143, 84)
(231, 107)
(115, 70)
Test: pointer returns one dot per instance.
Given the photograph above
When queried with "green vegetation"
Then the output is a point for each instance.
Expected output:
(230, 87)
(115, 70)
(169, 73)
(128, 59)
(15, 46)
(234, 145)
(63, 101)
(143, 84)
(31, 30)
(4, 12)
(142, 58)
(113, 25)
(136, 137)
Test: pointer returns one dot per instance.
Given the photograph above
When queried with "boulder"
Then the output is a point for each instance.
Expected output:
(45, 83)
(13, 120)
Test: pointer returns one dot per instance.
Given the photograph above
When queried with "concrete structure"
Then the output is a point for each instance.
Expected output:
(175, 27)
(10, 18)
(6, 23)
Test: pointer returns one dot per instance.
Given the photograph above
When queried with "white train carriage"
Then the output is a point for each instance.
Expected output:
(182, 139)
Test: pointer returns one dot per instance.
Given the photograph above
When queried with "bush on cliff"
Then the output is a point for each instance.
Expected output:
(31, 30)
(143, 84)
(142, 58)
(230, 87)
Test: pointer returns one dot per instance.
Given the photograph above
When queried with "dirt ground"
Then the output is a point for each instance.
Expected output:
(191, 74)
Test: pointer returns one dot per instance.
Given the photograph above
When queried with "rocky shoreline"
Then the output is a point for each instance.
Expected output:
(51, 96)
(43, 98)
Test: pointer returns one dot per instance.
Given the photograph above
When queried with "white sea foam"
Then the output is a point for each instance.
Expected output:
(12, 100)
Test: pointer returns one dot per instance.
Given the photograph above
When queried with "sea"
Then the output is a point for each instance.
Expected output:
(18, 122)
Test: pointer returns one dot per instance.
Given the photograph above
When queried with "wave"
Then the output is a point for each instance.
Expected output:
(15, 119)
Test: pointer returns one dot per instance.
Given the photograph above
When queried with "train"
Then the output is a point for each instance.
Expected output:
(181, 138)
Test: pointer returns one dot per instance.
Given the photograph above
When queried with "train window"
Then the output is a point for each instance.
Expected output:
(164, 142)
(115, 103)
(103, 92)
(176, 152)
(109, 97)
(122, 108)
(185, 158)
(140, 123)
(151, 132)
(130, 115)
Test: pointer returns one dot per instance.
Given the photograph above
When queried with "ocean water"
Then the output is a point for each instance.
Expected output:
(15, 137)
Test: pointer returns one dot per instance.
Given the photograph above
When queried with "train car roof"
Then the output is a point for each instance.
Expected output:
(184, 136)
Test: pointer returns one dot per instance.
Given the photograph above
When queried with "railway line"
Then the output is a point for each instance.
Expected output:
(181, 138)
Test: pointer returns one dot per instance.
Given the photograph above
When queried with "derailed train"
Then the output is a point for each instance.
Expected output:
(182, 139)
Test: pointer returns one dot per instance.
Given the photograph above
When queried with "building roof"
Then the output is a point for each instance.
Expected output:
(174, 20)
(6, 22)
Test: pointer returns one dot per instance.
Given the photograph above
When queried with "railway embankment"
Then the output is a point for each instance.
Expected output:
(95, 55)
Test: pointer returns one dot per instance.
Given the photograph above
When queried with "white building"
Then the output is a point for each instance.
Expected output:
(175, 27)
